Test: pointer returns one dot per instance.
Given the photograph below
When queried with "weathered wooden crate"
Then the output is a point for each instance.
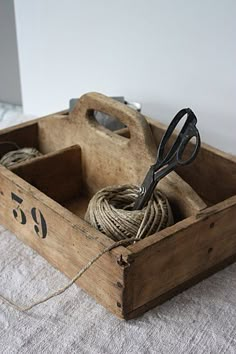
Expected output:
(43, 202)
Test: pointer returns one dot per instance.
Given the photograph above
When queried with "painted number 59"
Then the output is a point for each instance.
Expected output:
(40, 226)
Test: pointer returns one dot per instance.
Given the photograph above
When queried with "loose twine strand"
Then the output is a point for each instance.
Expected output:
(109, 211)
(73, 280)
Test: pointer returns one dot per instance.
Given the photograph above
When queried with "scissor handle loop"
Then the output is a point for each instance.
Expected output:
(188, 131)
(193, 132)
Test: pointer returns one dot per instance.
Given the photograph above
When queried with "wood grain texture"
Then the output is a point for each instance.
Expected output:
(163, 261)
(212, 175)
(24, 135)
(57, 174)
(179, 288)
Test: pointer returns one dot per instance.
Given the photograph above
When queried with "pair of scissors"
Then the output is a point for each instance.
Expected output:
(168, 161)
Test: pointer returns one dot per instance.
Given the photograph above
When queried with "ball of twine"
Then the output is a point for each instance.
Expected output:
(110, 211)
(16, 156)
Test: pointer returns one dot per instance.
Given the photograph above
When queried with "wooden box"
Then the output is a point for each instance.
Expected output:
(43, 201)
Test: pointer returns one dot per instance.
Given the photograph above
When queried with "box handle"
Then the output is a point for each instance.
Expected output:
(134, 155)
(140, 132)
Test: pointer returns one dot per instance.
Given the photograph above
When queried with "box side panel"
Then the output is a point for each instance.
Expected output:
(180, 253)
(65, 240)
(179, 288)
(24, 135)
(212, 175)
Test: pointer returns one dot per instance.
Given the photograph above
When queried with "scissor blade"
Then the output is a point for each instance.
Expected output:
(146, 190)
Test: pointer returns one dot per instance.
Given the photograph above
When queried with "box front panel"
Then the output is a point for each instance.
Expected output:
(62, 238)
(172, 257)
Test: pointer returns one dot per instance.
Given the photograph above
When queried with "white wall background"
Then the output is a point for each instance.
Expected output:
(9, 69)
(165, 54)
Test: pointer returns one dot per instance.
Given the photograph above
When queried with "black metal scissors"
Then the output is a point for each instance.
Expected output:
(168, 161)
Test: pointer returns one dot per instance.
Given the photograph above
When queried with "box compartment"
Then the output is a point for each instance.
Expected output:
(57, 174)
(25, 135)
(212, 175)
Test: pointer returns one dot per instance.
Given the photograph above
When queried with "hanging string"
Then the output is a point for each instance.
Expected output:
(73, 280)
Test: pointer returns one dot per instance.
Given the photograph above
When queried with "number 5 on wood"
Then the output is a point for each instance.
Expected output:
(18, 213)
(41, 226)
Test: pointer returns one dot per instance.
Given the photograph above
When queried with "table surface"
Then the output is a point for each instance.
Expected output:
(200, 320)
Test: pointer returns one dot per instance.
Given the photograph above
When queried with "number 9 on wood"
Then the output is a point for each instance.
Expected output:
(41, 226)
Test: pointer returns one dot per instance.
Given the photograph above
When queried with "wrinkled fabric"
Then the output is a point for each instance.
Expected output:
(11, 114)
(200, 320)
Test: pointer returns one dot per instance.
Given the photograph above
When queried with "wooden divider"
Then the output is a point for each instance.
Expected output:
(56, 174)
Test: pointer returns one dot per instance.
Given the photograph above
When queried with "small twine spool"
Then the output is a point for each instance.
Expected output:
(20, 155)
(110, 211)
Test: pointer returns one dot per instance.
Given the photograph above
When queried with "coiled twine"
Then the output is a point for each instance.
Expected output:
(16, 156)
(110, 211)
